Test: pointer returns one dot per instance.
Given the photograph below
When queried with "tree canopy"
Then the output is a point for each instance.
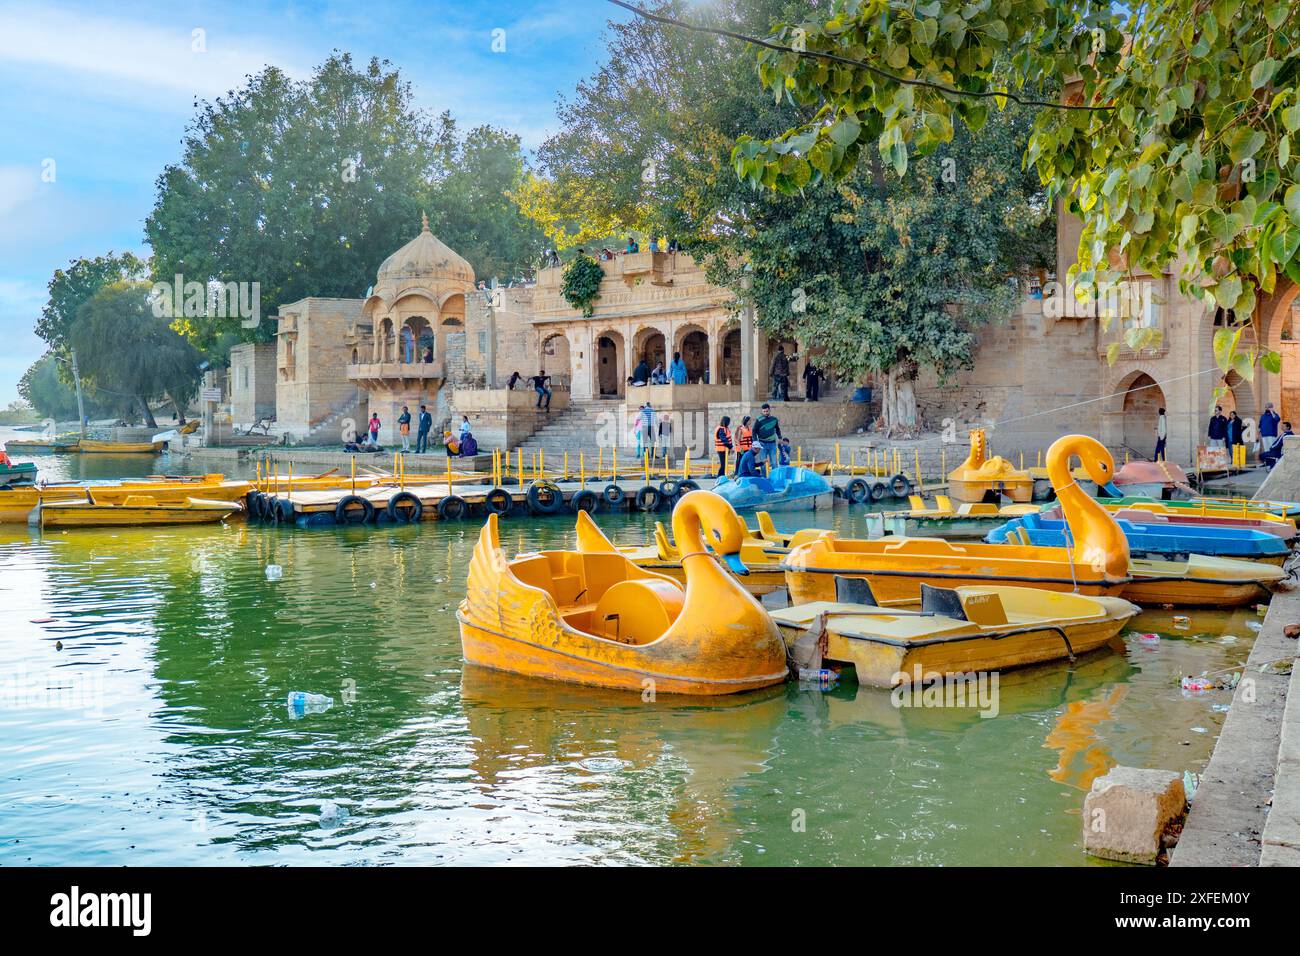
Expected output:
(879, 274)
(71, 288)
(305, 187)
(125, 350)
(1172, 141)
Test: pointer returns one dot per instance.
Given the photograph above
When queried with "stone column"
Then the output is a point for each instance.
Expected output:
(748, 370)
(715, 353)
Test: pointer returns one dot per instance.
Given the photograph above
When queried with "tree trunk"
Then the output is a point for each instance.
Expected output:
(148, 414)
(898, 404)
(180, 409)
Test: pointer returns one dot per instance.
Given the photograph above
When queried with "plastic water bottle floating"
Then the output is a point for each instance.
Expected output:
(274, 572)
(824, 676)
(602, 764)
(332, 815)
(302, 703)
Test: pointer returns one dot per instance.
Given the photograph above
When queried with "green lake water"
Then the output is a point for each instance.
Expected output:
(159, 733)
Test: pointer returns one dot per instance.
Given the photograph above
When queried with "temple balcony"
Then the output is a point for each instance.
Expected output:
(389, 374)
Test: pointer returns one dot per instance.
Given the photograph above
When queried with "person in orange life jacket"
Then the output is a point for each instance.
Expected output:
(722, 443)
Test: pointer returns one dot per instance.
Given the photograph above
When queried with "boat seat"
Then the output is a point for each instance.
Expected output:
(666, 551)
(766, 529)
(984, 609)
(944, 602)
(804, 536)
(140, 501)
(533, 571)
(943, 503)
(854, 591)
(638, 611)
(916, 502)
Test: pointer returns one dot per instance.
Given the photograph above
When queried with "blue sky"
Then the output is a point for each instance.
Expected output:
(106, 91)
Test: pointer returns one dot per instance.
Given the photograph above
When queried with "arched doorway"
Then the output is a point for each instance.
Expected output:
(649, 345)
(416, 336)
(610, 373)
(555, 360)
(729, 359)
(693, 343)
(384, 341)
(1142, 403)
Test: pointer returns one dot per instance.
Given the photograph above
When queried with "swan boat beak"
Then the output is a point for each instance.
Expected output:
(737, 566)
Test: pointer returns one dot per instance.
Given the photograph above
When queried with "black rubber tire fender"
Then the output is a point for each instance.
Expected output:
(405, 508)
(857, 491)
(878, 491)
(284, 513)
(670, 488)
(346, 512)
(900, 485)
(499, 502)
(614, 495)
(453, 508)
(585, 500)
(689, 484)
(545, 498)
(648, 498)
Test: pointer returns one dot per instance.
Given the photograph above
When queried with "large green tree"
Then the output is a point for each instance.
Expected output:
(1173, 141)
(71, 288)
(127, 351)
(305, 187)
(883, 275)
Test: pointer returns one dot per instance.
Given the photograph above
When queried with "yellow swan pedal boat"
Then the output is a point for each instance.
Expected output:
(1098, 564)
(763, 573)
(598, 619)
(135, 511)
(980, 477)
(954, 631)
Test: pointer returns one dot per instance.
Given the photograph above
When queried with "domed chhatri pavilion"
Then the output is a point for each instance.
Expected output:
(339, 360)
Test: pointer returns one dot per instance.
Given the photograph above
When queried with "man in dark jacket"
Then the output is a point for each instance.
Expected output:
(422, 434)
(780, 375)
(1268, 423)
(1218, 428)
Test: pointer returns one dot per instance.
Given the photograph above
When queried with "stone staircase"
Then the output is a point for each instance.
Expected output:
(583, 426)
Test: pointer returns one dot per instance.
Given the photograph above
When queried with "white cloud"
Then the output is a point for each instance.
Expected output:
(130, 56)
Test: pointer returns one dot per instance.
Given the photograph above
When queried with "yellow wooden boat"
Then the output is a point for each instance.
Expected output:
(981, 478)
(957, 631)
(17, 504)
(136, 511)
(599, 619)
(89, 447)
(1098, 564)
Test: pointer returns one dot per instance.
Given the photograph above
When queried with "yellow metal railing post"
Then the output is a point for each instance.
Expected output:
(582, 470)
(920, 482)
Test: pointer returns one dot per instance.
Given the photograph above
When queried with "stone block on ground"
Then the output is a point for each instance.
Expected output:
(1127, 811)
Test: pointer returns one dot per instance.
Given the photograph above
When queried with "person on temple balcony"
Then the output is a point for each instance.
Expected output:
(658, 376)
(408, 344)
(641, 374)
(428, 355)
(677, 370)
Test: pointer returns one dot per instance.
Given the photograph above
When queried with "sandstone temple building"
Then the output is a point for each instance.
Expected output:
(429, 332)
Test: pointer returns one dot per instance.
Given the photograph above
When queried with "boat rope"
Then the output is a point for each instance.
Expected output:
(1069, 543)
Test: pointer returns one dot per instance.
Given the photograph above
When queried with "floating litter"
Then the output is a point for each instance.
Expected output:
(1220, 708)
(602, 764)
(1149, 638)
(1182, 622)
(332, 815)
(1190, 782)
(1228, 639)
(1254, 626)
(1199, 730)
(274, 572)
(1261, 609)
(1197, 683)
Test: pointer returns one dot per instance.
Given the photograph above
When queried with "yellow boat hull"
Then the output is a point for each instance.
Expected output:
(89, 447)
(16, 504)
(86, 515)
(888, 657)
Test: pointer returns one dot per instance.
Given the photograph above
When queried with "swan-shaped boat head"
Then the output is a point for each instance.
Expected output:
(1098, 541)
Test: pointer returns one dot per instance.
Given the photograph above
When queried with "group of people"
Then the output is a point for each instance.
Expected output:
(1232, 432)
(643, 374)
(551, 257)
(541, 385)
(813, 377)
(757, 445)
(462, 444)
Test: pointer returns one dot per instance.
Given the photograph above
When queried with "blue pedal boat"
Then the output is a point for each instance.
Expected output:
(1164, 539)
(787, 489)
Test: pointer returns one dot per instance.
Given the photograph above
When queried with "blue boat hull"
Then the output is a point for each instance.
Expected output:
(1161, 539)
